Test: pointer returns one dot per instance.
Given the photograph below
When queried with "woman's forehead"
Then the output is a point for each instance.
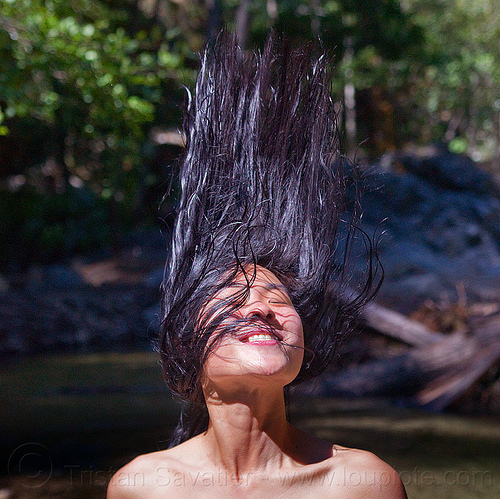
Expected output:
(258, 276)
(253, 277)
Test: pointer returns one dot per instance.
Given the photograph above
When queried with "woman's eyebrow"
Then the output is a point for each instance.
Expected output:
(272, 286)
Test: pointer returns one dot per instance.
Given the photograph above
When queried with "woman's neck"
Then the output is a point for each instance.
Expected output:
(247, 431)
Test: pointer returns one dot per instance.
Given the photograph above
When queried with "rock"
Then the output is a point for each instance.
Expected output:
(440, 229)
(4, 285)
(448, 170)
(80, 318)
(155, 278)
(61, 277)
(52, 277)
(152, 317)
(408, 293)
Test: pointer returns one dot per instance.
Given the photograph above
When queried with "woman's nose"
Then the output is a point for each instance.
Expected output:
(259, 309)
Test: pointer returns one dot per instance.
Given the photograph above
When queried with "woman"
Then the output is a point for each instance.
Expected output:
(255, 298)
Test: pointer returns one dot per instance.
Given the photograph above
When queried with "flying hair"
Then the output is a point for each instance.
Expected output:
(263, 183)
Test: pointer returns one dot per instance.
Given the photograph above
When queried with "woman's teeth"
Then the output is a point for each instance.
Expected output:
(257, 338)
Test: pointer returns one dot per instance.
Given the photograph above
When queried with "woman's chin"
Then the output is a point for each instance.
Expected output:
(264, 370)
(260, 362)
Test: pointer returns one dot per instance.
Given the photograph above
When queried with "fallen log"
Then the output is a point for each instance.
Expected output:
(431, 375)
(397, 326)
(445, 389)
(480, 351)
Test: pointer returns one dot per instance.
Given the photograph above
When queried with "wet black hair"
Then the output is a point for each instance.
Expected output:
(262, 183)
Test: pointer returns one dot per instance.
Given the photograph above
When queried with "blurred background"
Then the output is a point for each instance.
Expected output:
(91, 102)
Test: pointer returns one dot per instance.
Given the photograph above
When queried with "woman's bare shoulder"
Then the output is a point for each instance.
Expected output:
(150, 474)
(345, 472)
(139, 477)
(365, 474)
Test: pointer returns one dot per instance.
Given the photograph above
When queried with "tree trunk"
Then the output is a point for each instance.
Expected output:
(214, 23)
(243, 23)
(349, 97)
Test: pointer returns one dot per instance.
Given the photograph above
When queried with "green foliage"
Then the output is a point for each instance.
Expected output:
(44, 227)
(72, 67)
(457, 76)
(90, 85)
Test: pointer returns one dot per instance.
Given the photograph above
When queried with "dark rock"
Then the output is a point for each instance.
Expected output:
(448, 170)
(79, 318)
(155, 278)
(62, 277)
(439, 231)
(4, 285)
(53, 277)
(152, 316)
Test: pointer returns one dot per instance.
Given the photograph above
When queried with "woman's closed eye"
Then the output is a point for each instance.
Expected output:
(279, 299)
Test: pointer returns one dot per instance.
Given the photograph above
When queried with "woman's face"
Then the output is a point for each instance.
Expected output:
(267, 347)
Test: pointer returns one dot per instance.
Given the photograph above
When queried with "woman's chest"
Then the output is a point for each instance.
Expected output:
(282, 485)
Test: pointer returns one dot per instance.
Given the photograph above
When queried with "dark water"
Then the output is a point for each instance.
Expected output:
(70, 422)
